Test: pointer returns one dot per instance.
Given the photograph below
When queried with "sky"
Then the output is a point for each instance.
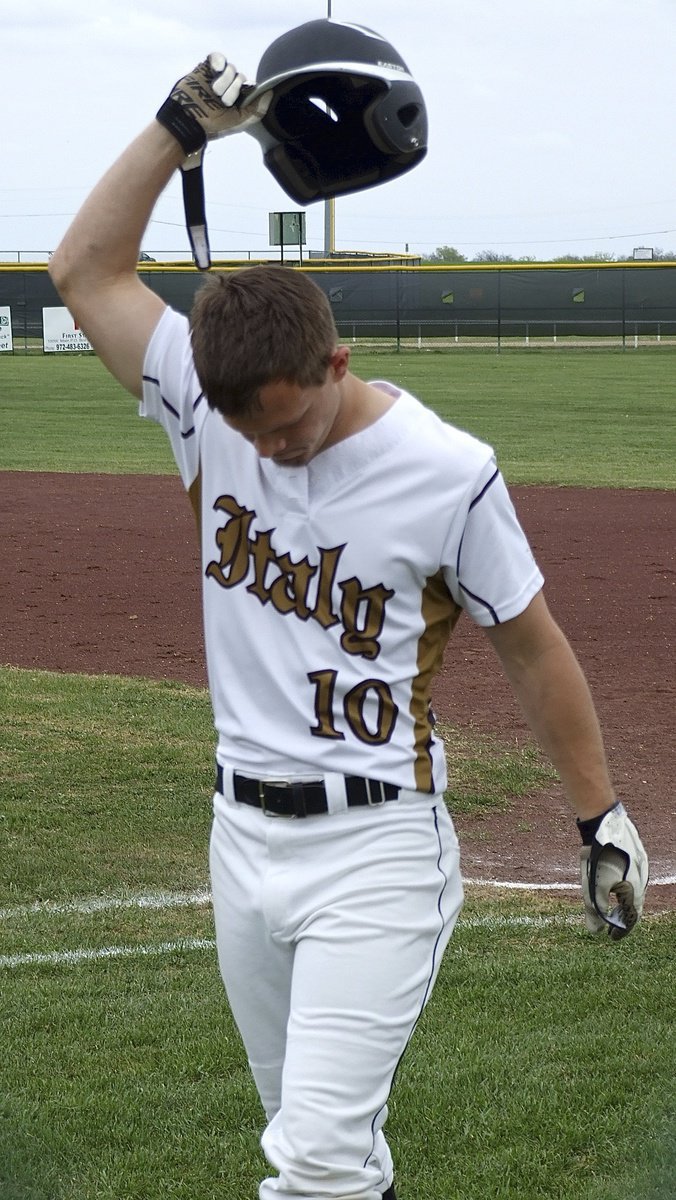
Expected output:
(551, 123)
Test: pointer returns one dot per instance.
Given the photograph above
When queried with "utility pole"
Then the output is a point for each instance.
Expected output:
(329, 205)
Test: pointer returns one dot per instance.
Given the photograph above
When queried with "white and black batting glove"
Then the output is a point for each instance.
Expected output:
(205, 104)
(614, 872)
(202, 106)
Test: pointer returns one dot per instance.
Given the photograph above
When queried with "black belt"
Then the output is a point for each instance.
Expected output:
(281, 799)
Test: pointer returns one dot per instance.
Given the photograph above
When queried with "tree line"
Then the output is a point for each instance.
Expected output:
(449, 254)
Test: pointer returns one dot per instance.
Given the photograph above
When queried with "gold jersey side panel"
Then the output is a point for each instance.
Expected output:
(440, 614)
(195, 497)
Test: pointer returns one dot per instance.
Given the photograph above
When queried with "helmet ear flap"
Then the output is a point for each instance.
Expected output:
(294, 170)
(305, 178)
(397, 123)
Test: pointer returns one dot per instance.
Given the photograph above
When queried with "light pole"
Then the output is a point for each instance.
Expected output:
(329, 205)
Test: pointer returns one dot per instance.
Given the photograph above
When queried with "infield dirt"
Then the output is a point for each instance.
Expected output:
(101, 575)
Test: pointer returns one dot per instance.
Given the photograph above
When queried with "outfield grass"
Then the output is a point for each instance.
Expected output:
(577, 418)
(544, 1066)
(71, 415)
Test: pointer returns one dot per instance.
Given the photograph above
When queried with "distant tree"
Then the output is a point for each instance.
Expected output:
(493, 256)
(445, 254)
(599, 256)
(449, 254)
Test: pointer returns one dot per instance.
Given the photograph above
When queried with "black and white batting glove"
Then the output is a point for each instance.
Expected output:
(205, 104)
(202, 106)
(614, 872)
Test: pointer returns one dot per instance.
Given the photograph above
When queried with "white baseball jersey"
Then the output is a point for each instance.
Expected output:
(330, 590)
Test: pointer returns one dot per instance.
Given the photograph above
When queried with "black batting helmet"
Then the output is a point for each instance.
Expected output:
(345, 112)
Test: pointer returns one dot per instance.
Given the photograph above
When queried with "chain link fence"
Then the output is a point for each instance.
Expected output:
(625, 306)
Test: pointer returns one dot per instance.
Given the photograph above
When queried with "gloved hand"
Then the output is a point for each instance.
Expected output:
(614, 872)
(205, 104)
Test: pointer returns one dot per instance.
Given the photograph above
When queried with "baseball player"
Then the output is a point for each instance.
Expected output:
(344, 529)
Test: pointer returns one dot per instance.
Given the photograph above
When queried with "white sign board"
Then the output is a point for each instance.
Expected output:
(6, 342)
(60, 334)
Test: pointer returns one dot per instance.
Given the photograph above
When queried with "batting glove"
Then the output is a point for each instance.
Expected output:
(205, 104)
(202, 106)
(614, 872)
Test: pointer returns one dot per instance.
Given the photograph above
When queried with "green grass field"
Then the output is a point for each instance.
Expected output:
(586, 419)
(544, 1067)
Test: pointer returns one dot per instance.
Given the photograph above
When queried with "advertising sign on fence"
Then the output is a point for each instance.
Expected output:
(60, 333)
(6, 328)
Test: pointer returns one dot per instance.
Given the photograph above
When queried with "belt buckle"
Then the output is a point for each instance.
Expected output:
(267, 812)
(380, 799)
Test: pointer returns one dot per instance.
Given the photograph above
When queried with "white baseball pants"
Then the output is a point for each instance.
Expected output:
(330, 931)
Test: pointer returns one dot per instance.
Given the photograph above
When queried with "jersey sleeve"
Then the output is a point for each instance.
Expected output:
(495, 575)
(172, 395)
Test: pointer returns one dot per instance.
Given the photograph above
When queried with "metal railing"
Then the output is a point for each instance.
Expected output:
(505, 334)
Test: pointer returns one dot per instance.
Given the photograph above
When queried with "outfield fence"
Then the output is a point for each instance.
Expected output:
(445, 337)
(609, 305)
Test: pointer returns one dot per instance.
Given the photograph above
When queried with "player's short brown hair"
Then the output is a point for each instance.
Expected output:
(256, 326)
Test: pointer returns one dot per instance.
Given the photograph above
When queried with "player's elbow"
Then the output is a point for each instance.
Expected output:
(77, 285)
(64, 271)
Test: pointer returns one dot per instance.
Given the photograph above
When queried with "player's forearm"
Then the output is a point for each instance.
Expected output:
(557, 703)
(553, 693)
(104, 239)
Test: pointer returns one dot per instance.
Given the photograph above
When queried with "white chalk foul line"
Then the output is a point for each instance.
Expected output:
(515, 885)
(71, 958)
(525, 887)
(58, 958)
(97, 904)
(165, 900)
(161, 900)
